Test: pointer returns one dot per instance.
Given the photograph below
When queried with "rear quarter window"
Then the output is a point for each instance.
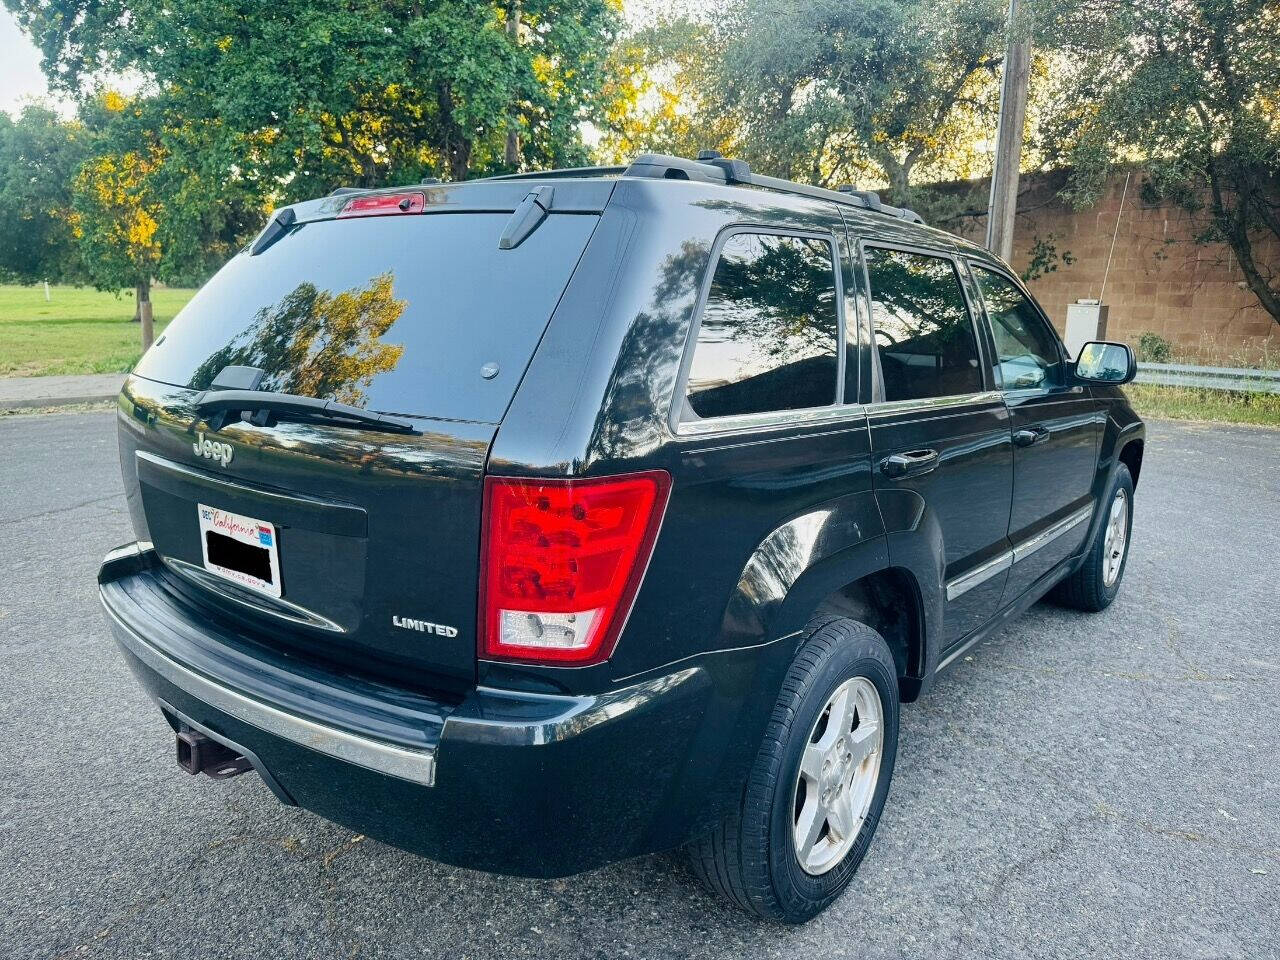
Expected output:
(768, 332)
(394, 314)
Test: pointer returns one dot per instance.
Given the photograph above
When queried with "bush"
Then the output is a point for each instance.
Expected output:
(1154, 348)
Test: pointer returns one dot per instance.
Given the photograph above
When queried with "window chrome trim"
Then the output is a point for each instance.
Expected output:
(772, 419)
(416, 766)
(981, 574)
(922, 404)
(975, 578)
(676, 421)
(1028, 547)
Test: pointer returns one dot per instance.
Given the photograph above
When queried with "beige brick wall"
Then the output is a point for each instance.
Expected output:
(1160, 280)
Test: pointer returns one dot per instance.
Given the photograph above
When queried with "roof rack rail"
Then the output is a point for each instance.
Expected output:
(559, 174)
(711, 167)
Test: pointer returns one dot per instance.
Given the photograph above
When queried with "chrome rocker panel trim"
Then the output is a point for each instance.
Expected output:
(1028, 547)
(976, 577)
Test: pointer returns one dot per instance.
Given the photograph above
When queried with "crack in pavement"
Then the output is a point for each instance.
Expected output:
(57, 510)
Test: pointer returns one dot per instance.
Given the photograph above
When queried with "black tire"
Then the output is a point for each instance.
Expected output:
(1087, 588)
(750, 859)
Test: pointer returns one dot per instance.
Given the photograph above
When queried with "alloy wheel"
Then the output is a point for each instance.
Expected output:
(838, 775)
(1115, 539)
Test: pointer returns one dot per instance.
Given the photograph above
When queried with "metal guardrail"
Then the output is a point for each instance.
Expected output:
(1240, 379)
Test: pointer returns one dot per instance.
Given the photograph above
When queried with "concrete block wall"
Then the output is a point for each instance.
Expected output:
(1160, 280)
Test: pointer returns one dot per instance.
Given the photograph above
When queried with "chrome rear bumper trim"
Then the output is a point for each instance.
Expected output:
(416, 766)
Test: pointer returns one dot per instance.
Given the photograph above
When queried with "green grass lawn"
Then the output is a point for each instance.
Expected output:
(79, 330)
(1195, 403)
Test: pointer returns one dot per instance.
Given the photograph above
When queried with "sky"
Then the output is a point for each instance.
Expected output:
(20, 76)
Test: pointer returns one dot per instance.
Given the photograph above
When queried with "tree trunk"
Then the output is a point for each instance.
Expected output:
(143, 297)
(459, 159)
(512, 155)
(1233, 223)
(1242, 247)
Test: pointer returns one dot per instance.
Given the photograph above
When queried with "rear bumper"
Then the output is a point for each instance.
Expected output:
(516, 783)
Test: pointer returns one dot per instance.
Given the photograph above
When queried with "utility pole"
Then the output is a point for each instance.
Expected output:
(1013, 114)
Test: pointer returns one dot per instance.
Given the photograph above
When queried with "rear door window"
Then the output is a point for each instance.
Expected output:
(394, 314)
(924, 335)
(767, 340)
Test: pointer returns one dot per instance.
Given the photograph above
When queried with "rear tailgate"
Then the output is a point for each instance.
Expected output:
(373, 537)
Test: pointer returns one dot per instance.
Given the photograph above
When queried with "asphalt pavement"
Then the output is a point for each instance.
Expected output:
(1079, 786)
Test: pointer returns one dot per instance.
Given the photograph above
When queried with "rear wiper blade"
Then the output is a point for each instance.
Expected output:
(259, 405)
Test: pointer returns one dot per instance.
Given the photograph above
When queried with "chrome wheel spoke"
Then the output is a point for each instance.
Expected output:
(863, 743)
(809, 828)
(811, 762)
(840, 719)
(1115, 538)
(840, 819)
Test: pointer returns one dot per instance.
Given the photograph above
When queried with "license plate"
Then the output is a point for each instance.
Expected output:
(240, 548)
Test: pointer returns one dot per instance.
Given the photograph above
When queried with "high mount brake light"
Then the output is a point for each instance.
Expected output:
(561, 562)
(384, 205)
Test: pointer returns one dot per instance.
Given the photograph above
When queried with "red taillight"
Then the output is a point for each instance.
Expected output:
(561, 562)
(384, 205)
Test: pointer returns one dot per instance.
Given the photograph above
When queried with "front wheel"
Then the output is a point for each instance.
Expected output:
(1096, 583)
(814, 797)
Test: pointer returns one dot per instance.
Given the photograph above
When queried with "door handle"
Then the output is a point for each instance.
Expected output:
(1031, 435)
(909, 464)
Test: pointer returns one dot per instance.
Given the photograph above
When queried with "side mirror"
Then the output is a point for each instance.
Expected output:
(1103, 362)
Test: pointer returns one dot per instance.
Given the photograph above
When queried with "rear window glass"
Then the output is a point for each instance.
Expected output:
(768, 335)
(394, 314)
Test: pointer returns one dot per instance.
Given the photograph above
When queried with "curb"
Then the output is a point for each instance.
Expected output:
(36, 403)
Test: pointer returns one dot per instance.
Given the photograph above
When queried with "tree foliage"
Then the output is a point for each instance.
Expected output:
(1191, 90)
(658, 95)
(301, 95)
(140, 210)
(39, 157)
(828, 91)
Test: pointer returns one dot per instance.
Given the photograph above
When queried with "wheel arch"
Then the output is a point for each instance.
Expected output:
(890, 602)
(1131, 456)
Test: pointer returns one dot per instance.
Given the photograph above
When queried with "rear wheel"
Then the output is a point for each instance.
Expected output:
(814, 797)
(1096, 583)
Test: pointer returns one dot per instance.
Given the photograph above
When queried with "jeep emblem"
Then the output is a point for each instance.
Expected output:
(212, 449)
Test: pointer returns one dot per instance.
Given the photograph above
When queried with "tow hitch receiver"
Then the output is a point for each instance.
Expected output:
(200, 754)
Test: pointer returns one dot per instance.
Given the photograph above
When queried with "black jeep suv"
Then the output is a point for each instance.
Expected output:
(541, 521)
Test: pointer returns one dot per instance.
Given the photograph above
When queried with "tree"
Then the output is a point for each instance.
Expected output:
(894, 91)
(303, 95)
(139, 213)
(1189, 88)
(657, 96)
(39, 156)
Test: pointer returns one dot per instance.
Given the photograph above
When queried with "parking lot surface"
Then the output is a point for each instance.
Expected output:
(1104, 785)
